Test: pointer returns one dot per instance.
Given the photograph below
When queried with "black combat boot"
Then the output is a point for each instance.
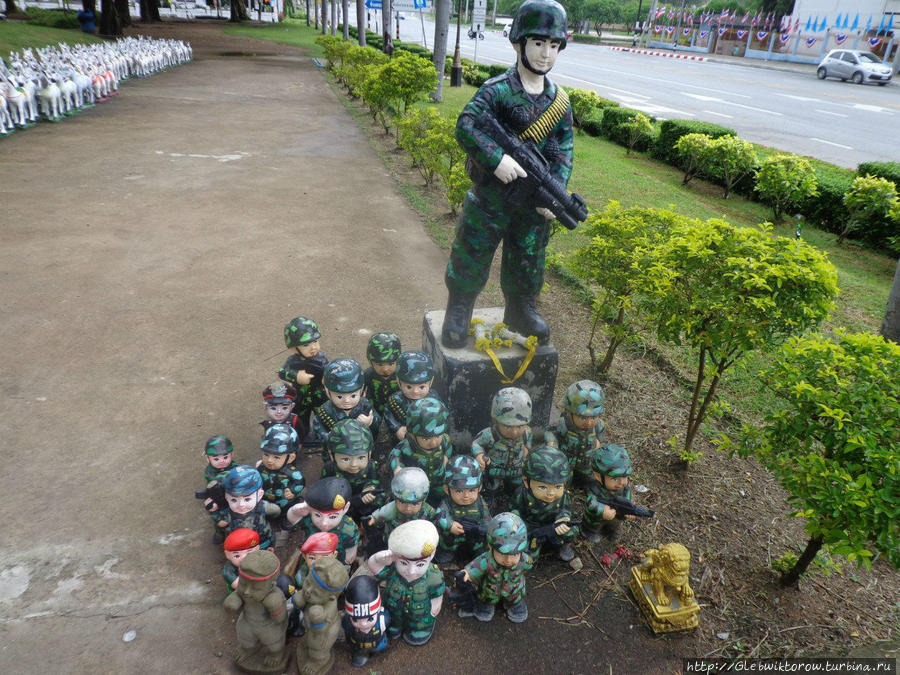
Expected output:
(521, 315)
(456, 321)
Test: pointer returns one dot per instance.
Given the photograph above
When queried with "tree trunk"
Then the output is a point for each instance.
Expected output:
(614, 342)
(386, 23)
(110, 22)
(333, 17)
(11, 7)
(361, 22)
(150, 11)
(890, 329)
(307, 13)
(86, 6)
(238, 11)
(792, 576)
(441, 28)
(324, 17)
(124, 9)
(345, 10)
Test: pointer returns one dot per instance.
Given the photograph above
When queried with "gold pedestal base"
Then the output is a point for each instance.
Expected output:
(663, 619)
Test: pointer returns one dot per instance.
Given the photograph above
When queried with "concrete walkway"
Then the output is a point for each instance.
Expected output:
(152, 250)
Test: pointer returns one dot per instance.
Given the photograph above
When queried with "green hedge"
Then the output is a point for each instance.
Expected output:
(593, 121)
(496, 69)
(611, 127)
(826, 211)
(54, 18)
(887, 170)
(671, 130)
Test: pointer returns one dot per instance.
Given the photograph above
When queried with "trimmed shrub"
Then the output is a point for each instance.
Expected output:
(614, 127)
(593, 122)
(496, 69)
(475, 75)
(413, 48)
(784, 181)
(887, 170)
(826, 210)
(584, 101)
(671, 130)
(54, 18)
(870, 204)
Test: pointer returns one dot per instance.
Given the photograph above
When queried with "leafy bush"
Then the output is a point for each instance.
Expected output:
(395, 85)
(54, 18)
(730, 160)
(357, 64)
(887, 170)
(335, 50)
(870, 203)
(413, 48)
(430, 139)
(593, 122)
(826, 210)
(475, 75)
(637, 128)
(612, 127)
(496, 69)
(671, 130)
(784, 182)
(694, 150)
(456, 184)
(833, 443)
(584, 102)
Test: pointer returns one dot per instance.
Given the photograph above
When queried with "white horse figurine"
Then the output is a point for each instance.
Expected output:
(17, 102)
(51, 99)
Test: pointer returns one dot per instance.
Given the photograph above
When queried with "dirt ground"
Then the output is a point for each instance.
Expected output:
(152, 250)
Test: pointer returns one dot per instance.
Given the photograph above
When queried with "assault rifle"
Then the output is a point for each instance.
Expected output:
(624, 507)
(462, 595)
(540, 187)
(365, 510)
(473, 530)
(547, 533)
(215, 491)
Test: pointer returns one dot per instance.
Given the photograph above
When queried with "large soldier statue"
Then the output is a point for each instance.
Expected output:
(517, 134)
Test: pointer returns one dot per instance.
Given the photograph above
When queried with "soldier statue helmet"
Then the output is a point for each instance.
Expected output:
(243, 489)
(219, 452)
(383, 351)
(350, 445)
(511, 412)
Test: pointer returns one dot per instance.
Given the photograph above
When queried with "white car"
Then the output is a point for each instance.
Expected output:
(855, 65)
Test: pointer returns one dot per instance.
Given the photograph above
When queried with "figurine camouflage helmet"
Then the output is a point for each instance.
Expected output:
(219, 445)
(507, 534)
(584, 398)
(462, 472)
(279, 439)
(415, 368)
(427, 417)
(410, 485)
(540, 18)
(383, 348)
(349, 437)
(243, 480)
(301, 331)
(511, 407)
(547, 465)
(611, 460)
(343, 376)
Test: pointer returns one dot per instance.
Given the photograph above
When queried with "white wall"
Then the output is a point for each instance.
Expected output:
(831, 8)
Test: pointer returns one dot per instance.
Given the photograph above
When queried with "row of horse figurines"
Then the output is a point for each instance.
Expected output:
(61, 80)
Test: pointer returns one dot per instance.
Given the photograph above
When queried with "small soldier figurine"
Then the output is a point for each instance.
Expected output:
(410, 488)
(382, 352)
(365, 620)
(344, 387)
(262, 624)
(282, 481)
(463, 514)
(427, 444)
(414, 586)
(246, 507)
(280, 398)
(349, 447)
(237, 545)
(325, 510)
(580, 431)
(415, 374)
(219, 455)
(305, 368)
(501, 448)
(499, 573)
(543, 502)
(612, 469)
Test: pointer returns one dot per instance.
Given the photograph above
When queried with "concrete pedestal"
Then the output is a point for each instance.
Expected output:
(467, 379)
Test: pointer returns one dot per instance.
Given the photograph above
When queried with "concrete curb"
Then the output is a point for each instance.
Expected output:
(671, 55)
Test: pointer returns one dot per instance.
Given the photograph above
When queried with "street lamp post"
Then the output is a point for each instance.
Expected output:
(456, 68)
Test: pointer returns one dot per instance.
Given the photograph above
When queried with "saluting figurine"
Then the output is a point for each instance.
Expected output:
(282, 481)
(527, 105)
(279, 400)
(349, 447)
(365, 619)
(427, 444)
(325, 510)
(219, 454)
(344, 386)
(414, 586)
(543, 502)
(415, 374)
(580, 431)
(237, 545)
(501, 448)
(463, 514)
(246, 507)
(383, 351)
(305, 367)
(499, 573)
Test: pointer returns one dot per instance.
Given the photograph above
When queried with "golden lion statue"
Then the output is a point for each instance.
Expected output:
(665, 567)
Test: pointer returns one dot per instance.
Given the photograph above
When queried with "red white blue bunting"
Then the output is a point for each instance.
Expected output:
(810, 41)
(762, 35)
(841, 38)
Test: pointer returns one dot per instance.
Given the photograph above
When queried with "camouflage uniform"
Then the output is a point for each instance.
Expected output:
(537, 513)
(409, 603)
(504, 472)
(408, 453)
(487, 219)
(592, 519)
(380, 389)
(308, 395)
(211, 475)
(275, 483)
(577, 445)
(256, 520)
(347, 532)
(327, 415)
(450, 511)
(229, 573)
(397, 407)
(367, 479)
(391, 517)
(495, 582)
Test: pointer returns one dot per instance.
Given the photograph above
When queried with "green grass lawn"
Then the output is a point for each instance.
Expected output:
(15, 35)
(293, 32)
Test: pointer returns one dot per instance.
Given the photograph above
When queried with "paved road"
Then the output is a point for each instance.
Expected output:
(786, 108)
